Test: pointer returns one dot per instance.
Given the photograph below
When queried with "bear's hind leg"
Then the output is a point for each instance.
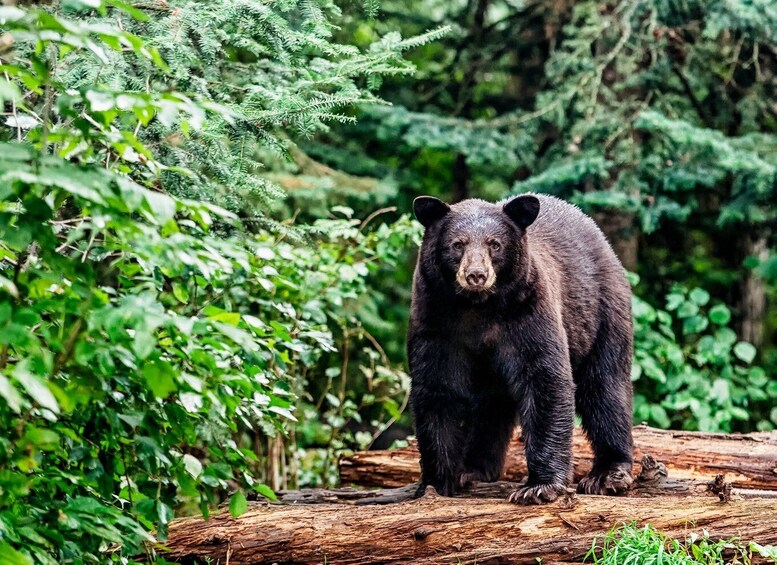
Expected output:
(492, 427)
(603, 397)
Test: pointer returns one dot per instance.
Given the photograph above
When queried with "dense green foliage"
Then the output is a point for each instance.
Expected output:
(205, 252)
(700, 376)
(150, 340)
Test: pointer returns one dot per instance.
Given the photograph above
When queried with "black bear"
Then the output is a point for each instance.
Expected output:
(520, 310)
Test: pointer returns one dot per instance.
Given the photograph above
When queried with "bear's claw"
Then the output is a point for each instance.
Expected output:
(537, 494)
(614, 481)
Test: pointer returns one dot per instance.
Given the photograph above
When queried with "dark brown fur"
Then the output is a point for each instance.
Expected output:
(517, 317)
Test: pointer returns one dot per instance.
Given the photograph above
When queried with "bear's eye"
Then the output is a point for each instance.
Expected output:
(458, 245)
(495, 245)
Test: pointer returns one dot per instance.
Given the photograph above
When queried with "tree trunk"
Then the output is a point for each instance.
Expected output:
(754, 292)
(749, 461)
(460, 178)
(446, 530)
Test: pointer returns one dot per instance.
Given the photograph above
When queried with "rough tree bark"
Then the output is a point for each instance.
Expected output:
(479, 526)
(748, 461)
(753, 305)
(445, 530)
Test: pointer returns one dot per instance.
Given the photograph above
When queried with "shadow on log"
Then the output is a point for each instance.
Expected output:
(748, 461)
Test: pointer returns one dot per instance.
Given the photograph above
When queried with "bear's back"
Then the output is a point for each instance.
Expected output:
(563, 231)
(582, 270)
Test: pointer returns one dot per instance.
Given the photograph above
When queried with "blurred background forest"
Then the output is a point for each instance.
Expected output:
(206, 249)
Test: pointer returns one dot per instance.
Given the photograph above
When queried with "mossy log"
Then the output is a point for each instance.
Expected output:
(748, 461)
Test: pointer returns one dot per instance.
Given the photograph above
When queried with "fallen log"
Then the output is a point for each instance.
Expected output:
(652, 480)
(434, 529)
(748, 461)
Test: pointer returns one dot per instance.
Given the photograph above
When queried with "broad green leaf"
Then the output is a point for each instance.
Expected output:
(160, 378)
(9, 394)
(687, 309)
(720, 391)
(8, 91)
(192, 465)
(720, 315)
(46, 440)
(130, 9)
(10, 14)
(265, 491)
(161, 206)
(745, 351)
(9, 556)
(659, 415)
(285, 412)
(238, 504)
(180, 292)
(36, 387)
(699, 296)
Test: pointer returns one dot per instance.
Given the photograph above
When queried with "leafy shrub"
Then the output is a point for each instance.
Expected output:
(148, 341)
(691, 372)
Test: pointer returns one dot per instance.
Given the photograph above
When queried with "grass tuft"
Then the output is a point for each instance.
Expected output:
(629, 544)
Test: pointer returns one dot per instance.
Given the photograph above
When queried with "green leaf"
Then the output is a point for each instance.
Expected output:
(285, 412)
(687, 309)
(46, 440)
(164, 512)
(720, 315)
(720, 391)
(238, 504)
(160, 378)
(9, 556)
(10, 14)
(8, 92)
(9, 394)
(35, 387)
(219, 315)
(699, 296)
(180, 292)
(192, 465)
(659, 416)
(265, 491)
(745, 351)
(161, 206)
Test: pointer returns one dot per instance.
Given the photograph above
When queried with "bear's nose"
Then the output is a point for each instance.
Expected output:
(476, 277)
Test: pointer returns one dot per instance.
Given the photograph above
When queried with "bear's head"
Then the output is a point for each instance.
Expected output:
(474, 244)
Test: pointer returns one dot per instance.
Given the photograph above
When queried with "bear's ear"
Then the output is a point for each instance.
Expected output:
(429, 209)
(523, 210)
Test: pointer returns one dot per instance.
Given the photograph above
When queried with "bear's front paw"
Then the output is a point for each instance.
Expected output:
(613, 481)
(537, 494)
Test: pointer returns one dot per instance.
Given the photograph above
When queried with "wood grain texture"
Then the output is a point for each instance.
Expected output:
(748, 461)
(436, 530)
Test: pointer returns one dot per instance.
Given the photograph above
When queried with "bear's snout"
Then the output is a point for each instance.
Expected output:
(476, 277)
(476, 274)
